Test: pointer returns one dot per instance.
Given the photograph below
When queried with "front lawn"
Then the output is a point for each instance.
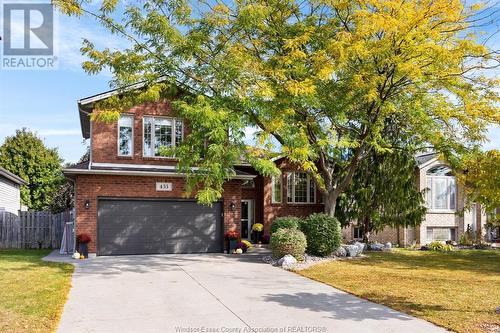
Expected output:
(32, 292)
(457, 290)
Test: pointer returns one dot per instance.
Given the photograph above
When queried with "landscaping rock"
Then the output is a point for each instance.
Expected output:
(361, 247)
(376, 246)
(269, 260)
(341, 252)
(352, 250)
(287, 262)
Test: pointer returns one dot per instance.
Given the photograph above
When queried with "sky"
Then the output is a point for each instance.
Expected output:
(45, 101)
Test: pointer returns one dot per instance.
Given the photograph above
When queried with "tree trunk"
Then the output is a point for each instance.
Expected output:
(330, 201)
(367, 229)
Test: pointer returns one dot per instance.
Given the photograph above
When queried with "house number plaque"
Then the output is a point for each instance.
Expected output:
(164, 186)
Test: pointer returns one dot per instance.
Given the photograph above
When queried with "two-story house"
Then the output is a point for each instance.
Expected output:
(130, 200)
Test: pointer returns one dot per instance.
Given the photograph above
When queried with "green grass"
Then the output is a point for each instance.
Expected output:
(32, 292)
(458, 290)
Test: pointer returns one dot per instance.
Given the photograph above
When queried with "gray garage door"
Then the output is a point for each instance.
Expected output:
(158, 226)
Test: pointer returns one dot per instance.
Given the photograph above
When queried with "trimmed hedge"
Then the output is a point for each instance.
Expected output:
(285, 222)
(288, 241)
(323, 234)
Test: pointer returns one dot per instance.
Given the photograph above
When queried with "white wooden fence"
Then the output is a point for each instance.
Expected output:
(33, 230)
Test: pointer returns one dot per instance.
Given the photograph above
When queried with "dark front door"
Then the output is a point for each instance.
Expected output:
(246, 218)
(135, 226)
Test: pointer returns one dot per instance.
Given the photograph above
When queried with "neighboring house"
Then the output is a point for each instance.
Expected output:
(445, 203)
(10, 195)
(130, 200)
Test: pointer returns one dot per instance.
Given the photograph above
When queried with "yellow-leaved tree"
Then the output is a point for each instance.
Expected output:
(321, 80)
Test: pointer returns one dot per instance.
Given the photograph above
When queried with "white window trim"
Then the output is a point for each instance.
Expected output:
(430, 208)
(289, 177)
(273, 180)
(174, 139)
(128, 115)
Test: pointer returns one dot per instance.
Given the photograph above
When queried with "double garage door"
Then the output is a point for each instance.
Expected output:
(157, 226)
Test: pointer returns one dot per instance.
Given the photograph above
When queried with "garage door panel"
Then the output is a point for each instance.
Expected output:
(145, 227)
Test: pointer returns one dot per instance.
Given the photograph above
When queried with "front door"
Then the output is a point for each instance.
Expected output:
(246, 218)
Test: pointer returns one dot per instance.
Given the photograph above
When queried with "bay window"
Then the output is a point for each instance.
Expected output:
(441, 189)
(301, 188)
(125, 135)
(161, 132)
(277, 191)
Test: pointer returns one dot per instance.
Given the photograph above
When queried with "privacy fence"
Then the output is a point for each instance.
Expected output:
(35, 230)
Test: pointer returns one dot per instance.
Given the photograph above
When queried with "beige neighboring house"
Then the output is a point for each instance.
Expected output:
(10, 195)
(444, 200)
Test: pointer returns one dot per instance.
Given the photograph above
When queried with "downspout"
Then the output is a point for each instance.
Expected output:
(90, 151)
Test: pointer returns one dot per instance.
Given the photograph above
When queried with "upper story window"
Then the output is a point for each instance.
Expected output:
(441, 189)
(161, 131)
(248, 184)
(277, 190)
(125, 135)
(301, 188)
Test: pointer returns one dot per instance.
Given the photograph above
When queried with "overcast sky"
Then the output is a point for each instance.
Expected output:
(46, 101)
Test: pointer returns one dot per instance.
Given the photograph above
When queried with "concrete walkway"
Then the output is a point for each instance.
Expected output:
(215, 293)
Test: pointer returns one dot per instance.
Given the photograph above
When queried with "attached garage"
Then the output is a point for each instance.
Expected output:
(138, 226)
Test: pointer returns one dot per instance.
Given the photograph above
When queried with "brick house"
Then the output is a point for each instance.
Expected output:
(130, 200)
(443, 220)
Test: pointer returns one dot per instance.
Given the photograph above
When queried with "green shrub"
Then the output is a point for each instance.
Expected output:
(322, 233)
(439, 246)
(285, 222)
(465, 239)
(288, 241)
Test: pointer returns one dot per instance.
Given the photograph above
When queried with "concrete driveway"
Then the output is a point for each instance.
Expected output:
(215, 293)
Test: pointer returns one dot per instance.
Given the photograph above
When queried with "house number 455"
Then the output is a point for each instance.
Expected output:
(164, 186)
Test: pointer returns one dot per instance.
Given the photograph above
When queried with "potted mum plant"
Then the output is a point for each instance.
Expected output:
(241, 245)
(83, 241)
(232, 238)
(257, 230)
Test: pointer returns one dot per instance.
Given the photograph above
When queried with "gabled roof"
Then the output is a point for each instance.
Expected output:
(12, 177)
(423, 159)
(86, 106)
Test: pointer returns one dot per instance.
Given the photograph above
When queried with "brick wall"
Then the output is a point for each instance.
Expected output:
(256, 195)
(274, 210)
(90, 187)
(105, 137)
(440, 219)
(383, 236)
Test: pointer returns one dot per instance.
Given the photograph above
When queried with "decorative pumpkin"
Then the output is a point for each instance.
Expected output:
(76, 255)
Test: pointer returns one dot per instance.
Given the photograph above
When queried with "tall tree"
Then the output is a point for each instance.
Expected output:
(480, 177)
(383, 193)
(64, 197)
(25, 155)
(319, 77)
